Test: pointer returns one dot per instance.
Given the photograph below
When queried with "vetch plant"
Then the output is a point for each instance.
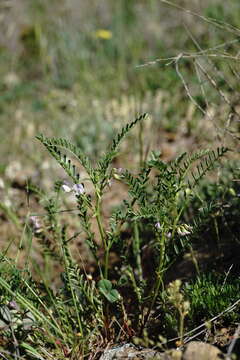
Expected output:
(100, 178)
(158, 196)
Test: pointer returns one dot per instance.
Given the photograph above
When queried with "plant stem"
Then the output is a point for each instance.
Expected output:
(181, 327)
(159, 279)
(106, 258)
(140, 138)
(72, 289)
(103, 237)
(136, 248)
(160, 267)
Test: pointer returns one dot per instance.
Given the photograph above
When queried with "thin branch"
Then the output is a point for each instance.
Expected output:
(230, 308)
(233, 342)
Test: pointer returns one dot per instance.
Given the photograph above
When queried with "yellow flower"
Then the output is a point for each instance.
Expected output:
(103, 34)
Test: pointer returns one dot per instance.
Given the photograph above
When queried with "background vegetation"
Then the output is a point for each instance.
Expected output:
(83, 70)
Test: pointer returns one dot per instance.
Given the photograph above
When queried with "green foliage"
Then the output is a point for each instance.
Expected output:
(111, 154)
(208, 164)
(53, 146)
(210, 294)
(105, 287)
(216, 205)
(158, 195)
(68, 316)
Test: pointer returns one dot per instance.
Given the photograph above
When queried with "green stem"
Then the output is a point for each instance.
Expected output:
(159, 279)
(136, 248)
(194, 260)
(102, 234)
(73, 293)
(140, 138)
(177, 219)
(160, 267)
(137, 291)
(106, 258)
(181, 327)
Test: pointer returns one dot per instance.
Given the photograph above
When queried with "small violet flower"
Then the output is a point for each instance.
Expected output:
(13, 305)
(78, 189)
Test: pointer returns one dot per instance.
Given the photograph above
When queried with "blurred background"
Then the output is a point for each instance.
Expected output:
(70, 68)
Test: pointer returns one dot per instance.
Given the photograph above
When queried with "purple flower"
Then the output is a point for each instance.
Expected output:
(78, 189)
(13, 305)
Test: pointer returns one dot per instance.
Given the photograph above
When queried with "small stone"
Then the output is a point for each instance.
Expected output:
(175, 354)
(129, 351)
(197, 350)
